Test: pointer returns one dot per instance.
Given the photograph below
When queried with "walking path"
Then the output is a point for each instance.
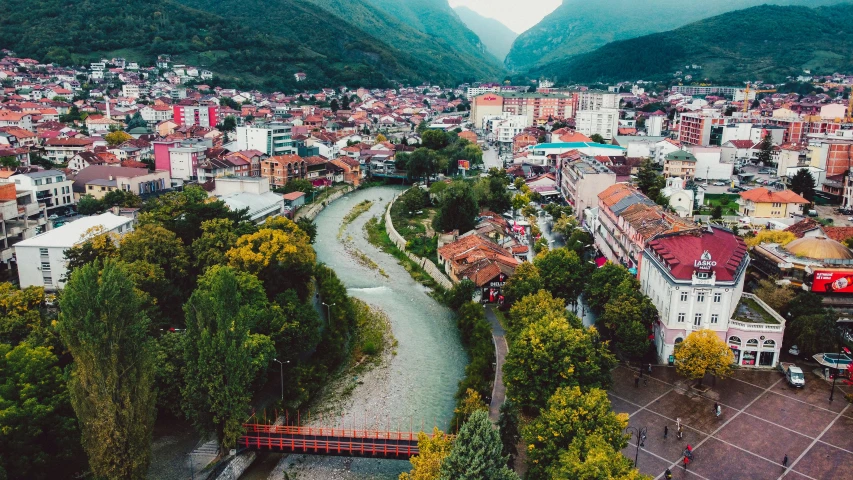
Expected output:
(501, 349)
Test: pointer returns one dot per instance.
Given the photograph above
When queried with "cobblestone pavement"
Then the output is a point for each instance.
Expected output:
(763, 419)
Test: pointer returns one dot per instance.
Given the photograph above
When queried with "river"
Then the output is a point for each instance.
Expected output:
(415, 387)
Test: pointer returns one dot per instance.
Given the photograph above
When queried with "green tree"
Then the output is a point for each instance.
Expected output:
(89, 205)
(629, 317)
(39, 437)
(563, 273)
(309, 227)
(218, 236)
(508, 425)
(112, 378)
(460, 294)
(607, 282)
(597, 138)
(333, 105)
(168, 372)
(218, 368)
(534, 306)
(571, 413)
(136, 121)
(434, 139)
(457, 209)
(525, 281)
(121, 198)
(778, 297)
(717, 212)
(21, 319)
(702, 353)
(476, 453)
(815, 333)
(297, 185)
(803, 184)
(9, 162)
(421, 164)
(765, 152)
(493, 195)
(648, 180)
(415, 199)
(550, 353)
(229, 124)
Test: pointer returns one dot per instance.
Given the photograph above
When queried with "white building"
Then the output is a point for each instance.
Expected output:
(271, 138)
(595, 100)
(477, 91)
(654, 125)
(582, 180)
(252, 193)
(51, 187)
(604, 122)
(506, 127)
(709, 164)
(41, 259)
(696, 282)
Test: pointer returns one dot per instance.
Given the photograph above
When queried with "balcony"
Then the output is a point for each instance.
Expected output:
(753, 315)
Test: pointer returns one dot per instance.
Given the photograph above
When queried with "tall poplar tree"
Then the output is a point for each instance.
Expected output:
(105, 328)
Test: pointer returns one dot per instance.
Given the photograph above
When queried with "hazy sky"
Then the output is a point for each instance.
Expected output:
(518, 16)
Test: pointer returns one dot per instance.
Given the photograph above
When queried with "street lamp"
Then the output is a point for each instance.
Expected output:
(282, 375)
(641, 438)
(329, 312)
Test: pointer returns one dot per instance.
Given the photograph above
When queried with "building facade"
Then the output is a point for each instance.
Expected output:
(201, 115)
(696, 282)
(582, 180)
(604, 122)
(269, 138)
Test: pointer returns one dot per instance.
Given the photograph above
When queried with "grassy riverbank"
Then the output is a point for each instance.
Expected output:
(378, 237)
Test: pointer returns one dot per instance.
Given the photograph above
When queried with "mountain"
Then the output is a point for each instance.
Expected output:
(579, 26)
(760, 43)
(251, 43)
(496, 36)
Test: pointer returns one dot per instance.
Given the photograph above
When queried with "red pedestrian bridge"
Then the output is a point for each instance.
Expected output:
(330, 441)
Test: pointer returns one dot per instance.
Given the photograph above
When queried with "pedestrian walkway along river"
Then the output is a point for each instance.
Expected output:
(415, 387)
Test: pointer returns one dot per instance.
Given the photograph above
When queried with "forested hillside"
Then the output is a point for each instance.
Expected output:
(760, 43)
(283, 37)
(579, 26)
(496, 36)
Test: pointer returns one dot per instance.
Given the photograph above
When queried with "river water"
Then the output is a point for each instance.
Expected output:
(415, 387)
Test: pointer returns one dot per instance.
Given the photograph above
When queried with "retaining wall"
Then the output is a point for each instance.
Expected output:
(430, 268)
(312, 211)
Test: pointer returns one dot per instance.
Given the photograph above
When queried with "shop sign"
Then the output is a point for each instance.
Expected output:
(705, 262)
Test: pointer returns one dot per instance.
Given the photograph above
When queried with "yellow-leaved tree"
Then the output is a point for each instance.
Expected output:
(427, 464)
(703, 352)
(280, 254)
(381, 138)
(770, 236)
(117, 138)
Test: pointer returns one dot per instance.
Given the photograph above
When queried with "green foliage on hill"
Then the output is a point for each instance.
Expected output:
(760, 43)
(248, 44)
(496, 36)
(579, 26)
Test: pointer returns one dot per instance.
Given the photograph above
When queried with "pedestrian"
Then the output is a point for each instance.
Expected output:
(785, 461)
(637, 381)
(716, 409)
(680, 432)
(667, 474)
(686, 461)
(650, 369)
(719, 410)
(665, 431)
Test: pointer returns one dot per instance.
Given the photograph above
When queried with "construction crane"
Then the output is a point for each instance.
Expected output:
(746, 96)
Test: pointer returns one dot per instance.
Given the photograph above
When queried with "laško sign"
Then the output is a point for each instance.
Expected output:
(705, 262)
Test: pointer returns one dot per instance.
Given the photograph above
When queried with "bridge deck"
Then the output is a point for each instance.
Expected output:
(331, 441)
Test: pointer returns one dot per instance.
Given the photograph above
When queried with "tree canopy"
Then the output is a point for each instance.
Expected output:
(703, 352)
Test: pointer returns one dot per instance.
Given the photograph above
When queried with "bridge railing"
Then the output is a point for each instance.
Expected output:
(330, 432)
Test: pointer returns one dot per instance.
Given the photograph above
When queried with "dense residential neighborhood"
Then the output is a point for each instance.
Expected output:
(351, 259)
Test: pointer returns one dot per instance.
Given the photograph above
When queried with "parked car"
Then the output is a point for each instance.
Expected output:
(794, 350)
(793, 374)
(719, 184)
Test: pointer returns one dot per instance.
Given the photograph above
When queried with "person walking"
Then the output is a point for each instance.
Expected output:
(785, 461)
(716, 409)
(680, 432)
(665, 431)
(667, 474)
(686, 461)
(650, 369)
(719, 410)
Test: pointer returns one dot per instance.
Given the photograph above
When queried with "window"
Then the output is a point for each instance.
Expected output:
(734, 340)
(48, 280)
(38, 182)
(58, 179)
(45, 266)
(700, 297)
(718, 297)
(681, 318)
(703, 275)
(42, 251)
(683, 296)
(752, 342)
(697, 319)
(714, 318)
(769, 344)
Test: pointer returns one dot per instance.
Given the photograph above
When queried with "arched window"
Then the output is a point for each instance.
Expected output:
(678, 340)
(734, 340)
(752, 342)
(769, 344)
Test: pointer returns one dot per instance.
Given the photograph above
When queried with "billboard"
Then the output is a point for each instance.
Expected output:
(834, 281)
(464, 165)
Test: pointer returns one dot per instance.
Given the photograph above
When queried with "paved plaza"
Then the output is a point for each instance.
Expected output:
(762, 420)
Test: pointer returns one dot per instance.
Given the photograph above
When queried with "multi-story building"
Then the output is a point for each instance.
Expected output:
(764, 203)
(51, 188)
(482, 89)
(696, 91)
(281, 169)
(696, 282)
(627, 220)
(98, 180)
(180, 158)
(9, 118)
(582, 180)
(60, 150)
(41, 259)
(537, 105)
(21, 217)
(202, 115)
(269, 138)
(488, 105)
(680, 164)
(154, 114)
(831, 152)
(701, 128)
(604, 122)
(595, 100)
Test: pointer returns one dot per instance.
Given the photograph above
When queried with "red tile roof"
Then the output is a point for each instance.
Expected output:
(763, 195)
(680, 251)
